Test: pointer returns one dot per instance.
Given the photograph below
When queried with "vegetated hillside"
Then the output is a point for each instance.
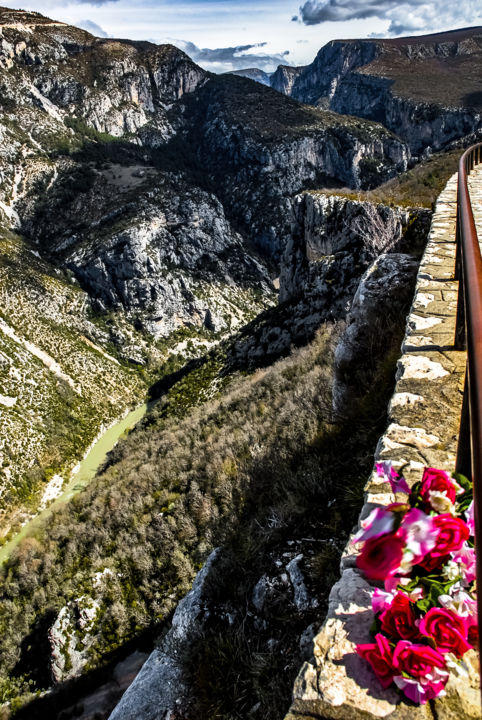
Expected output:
(130, 544)
(217, 445)
(59, 378)
(427, 88)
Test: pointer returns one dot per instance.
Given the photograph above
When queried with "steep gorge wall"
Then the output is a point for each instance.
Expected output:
(413, 86)
(424, 417)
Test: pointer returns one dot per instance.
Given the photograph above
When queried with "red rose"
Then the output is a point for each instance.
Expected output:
(381, 556)
(447, 629)
(473, 635)
(418, 661)
(398, 620)
(451, 535)
(379, 655)
(434, 562)
(439, 481)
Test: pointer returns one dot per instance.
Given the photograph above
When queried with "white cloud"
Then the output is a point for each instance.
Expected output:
(408, 16)
(233, 58)
(92, 27)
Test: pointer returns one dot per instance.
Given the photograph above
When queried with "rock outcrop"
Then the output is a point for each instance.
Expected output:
(160, 689)
(335, 239)
(253, 74)
(69, 638)
(384, 292)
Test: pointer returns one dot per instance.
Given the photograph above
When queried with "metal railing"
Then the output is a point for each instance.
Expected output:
(468, 335)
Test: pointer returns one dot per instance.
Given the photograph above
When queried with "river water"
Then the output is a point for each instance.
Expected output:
(87, 470)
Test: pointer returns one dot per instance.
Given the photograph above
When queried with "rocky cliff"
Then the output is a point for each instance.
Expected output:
(284, 78)
(427, 89)
(259, 148)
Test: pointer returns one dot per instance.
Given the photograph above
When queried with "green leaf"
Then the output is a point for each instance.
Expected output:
(423, 604)
(463, 481)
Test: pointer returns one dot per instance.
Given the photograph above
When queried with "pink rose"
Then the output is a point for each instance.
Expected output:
(469, 514)
(398, 620)
(420, 671)
(447, 629)
(465, 559)
(421, 691)
(379, 655)
(452, 532)
(438, 481)
(397, 482)
(420, 533)
(381, 556)
(381, 600)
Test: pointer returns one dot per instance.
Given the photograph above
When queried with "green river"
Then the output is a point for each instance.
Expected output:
(87, 470)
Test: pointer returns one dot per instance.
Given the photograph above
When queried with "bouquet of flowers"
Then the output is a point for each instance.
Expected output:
(423, 550)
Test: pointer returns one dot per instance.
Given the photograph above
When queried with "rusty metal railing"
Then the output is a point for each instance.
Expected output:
(468, 335)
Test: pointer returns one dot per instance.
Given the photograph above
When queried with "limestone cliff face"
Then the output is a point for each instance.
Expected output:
(318, 82)
(422, 124)
(284, 78)
(150, 246)
(426, 89)
(258, 149)
(335, 239)
(333, 242)
(116, 86)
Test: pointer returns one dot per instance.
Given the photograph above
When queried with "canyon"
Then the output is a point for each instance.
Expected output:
(205, 241)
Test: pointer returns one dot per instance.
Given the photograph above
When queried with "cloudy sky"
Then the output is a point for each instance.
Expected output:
(224, 35)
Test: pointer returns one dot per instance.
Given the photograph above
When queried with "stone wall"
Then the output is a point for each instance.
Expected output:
(423, 426)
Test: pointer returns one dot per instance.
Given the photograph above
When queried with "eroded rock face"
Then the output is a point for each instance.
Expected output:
(161, 251)
(381, 300)
(115, 86)
(70, 638)
(335, 239)
(423, 125)
(284, 78)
